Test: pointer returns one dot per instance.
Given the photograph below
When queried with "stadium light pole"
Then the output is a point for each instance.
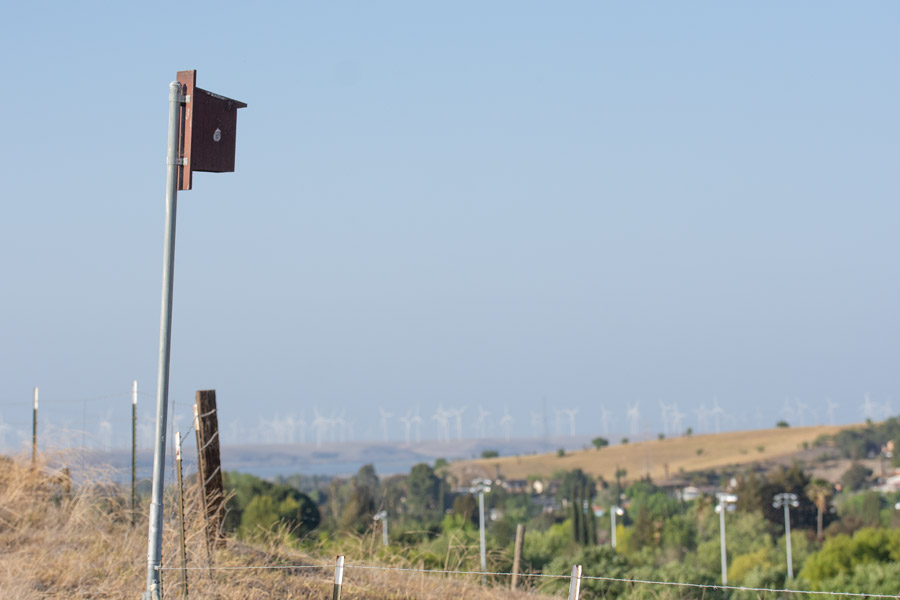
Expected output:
(480, 486)
(726, 503)
(787, 500)
(613, 511)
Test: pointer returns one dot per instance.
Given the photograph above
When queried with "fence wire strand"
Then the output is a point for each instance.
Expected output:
(732, 588)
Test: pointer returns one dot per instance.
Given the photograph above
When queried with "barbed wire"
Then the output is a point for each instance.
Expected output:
(540, 575)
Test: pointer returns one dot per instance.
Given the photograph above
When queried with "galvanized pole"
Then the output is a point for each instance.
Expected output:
(133, 451)
(154, 538)
(722, 506)
(575, 583)
(384, 531)
(338, 578)
(787, 537)
(612, 532)
(481, 532)
(34, 430)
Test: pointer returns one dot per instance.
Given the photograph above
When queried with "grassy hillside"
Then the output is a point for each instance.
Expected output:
(62, 542)
(658, 458)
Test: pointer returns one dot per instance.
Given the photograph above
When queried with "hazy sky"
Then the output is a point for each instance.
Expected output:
(475, 204)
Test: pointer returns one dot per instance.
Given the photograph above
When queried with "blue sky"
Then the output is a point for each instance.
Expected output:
(467, 205)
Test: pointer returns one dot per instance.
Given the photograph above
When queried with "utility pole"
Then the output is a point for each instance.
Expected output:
(787, 500)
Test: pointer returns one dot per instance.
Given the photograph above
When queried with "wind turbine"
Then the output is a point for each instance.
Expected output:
(702, 418)
(801, 412)
(830, 410)
(300, 424)
(634, 415)
(717, 413)
(417, 423)
(571, 412)
(340, 423)
(604, 420)
(868, 407)
(442, 418)
(666, 418)
(407, 427)
(677, 418)
(537, 420)
(320, 424)
(787, 411)
(506, 422)
(457, 413)
(481, 423)
(385, 415)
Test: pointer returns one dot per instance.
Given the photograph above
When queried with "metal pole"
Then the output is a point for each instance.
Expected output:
(575, 583)
(338, 578)
(722, 507)
(154, 537)
(34, 430)
(384, 531)
(787, 537)
(612, 514)
(481, 533)
(133, 451)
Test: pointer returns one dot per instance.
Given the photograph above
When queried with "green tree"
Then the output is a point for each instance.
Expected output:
(423, 494)
(600, 442)
(578, 489)
(855, 477)
(819, 492)
(363, 504)
(466, 507)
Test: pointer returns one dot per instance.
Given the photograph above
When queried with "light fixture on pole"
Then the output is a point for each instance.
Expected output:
(726, 503)
(787, 500)
(383, 517)
(613, 512)
(481, 486)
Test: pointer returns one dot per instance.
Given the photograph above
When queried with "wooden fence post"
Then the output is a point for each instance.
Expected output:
(517, 556)
(184, 581)
(34, 430)
(575, 583)
(209, 466)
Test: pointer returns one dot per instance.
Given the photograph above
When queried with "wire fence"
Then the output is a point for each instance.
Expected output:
(582, 577)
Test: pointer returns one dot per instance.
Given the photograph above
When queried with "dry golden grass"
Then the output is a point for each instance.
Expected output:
(62, 542)
(658, 458)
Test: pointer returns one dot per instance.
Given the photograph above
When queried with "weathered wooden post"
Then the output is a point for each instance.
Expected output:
(209, 464)
(517, 555)
(34, 430)
(178, 474)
